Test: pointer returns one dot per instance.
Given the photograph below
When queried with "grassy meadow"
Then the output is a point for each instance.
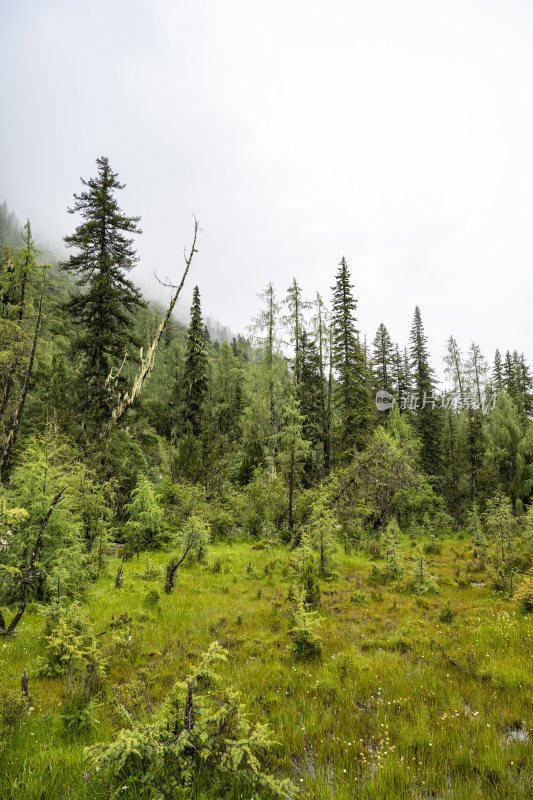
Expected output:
(423, 697)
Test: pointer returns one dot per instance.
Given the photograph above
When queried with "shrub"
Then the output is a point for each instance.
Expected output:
(421, 581)
(392, 548)
(524, 594)
(357, 597)
(270, 567)
(216, 566)
(69, 640)
(446, 614)
(432, 547)
(151, 598)
(391, 643)
(222, 521)
(79, 711)
(379, 575)
(374, 548)
(323, 536)
(306, 570)
(308, 580)
(13, 708)
(346, 665)
(306, 643)
(200, 733)
(150, 574)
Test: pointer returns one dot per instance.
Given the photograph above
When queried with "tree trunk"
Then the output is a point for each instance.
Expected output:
(273, 428)
(291, 491)
(118, 579)
(148, 362)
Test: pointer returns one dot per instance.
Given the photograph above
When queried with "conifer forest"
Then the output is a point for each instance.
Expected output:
(290, 561)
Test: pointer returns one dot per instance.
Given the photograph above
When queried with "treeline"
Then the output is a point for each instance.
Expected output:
(116, 427)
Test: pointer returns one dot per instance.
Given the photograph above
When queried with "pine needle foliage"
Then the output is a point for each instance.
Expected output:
(103, 306)
(202, 732)
(306, 643)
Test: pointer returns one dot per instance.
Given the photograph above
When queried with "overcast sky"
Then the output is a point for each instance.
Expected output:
(397, 134)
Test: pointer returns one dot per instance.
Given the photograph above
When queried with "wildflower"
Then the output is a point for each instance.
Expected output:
(86, 777)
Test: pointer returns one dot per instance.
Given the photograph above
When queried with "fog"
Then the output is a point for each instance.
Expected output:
(395, 134)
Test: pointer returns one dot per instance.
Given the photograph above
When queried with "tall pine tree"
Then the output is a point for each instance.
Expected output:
(353, 395)
(311, 397)
(295, 323)
(497, 372)
(427, 417)
(194, 381)
(106, 300)
(382, 360)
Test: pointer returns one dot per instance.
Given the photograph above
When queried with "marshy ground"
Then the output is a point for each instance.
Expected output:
(424, 697)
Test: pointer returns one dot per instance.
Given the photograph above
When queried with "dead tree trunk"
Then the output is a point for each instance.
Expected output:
(24, 684)
(118, 579)
(148, 362)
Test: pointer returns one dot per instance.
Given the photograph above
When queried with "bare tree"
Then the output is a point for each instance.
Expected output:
(147, 362)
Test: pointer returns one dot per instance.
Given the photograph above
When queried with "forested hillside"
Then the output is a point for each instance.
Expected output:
(303, 509)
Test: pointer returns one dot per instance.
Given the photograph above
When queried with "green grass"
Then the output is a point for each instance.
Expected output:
(387, 713)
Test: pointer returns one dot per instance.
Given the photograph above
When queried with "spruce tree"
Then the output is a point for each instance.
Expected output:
(322, 337)
(427, 419)
(382, 360)
(497, 372)
(195, 371)
(106, 300)
(295, 323)
(311, 397)
(353, 395)
(392, 548)
(510, 382)
(400, 378)
(524, 383)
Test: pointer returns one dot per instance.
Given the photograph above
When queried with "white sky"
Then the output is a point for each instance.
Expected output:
(396, 134)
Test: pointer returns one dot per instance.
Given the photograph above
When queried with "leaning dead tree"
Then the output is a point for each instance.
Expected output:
(147, 362)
